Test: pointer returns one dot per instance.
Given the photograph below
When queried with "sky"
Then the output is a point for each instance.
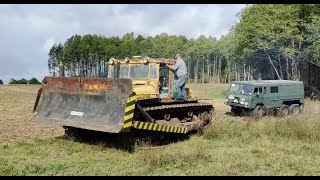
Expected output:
(28, 31)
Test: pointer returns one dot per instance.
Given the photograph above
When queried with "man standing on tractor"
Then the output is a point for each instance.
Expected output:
(181, 72)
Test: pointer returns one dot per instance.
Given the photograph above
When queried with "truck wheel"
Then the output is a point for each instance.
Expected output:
(301, 108)
(258, 111)
(167, 116)
(284, 110)
(294, 109)
(233, 111)
(237, 111)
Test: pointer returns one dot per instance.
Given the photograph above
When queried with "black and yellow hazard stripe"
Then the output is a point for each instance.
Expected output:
(129, 112)
(158, 127)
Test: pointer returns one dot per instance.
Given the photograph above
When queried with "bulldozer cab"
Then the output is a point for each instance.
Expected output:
(151, 79)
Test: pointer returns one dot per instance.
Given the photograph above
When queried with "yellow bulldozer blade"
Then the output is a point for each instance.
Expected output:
(101, 104)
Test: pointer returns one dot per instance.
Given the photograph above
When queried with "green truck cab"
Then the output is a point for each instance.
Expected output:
(283, 97)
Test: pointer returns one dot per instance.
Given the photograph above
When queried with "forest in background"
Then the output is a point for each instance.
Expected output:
(270, 41)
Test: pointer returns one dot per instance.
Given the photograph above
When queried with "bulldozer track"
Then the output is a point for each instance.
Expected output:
(176, 118)
(176, 106)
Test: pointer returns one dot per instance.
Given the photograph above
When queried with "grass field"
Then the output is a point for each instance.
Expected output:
(233, 146)
(212, 91)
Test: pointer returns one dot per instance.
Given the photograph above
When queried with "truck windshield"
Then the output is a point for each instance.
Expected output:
(135, 71)
(241, 88)
(138, 71)
(124, 70)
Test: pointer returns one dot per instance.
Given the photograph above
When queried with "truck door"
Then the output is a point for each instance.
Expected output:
(274, 96)
(258, 96)
(164, 86)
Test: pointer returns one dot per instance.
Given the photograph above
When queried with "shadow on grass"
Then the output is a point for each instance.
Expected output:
(122, 141)
(249, 113)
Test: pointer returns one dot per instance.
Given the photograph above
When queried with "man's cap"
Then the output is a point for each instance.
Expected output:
(177, 55)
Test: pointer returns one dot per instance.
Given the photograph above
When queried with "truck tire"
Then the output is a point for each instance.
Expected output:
(258, 111)
(284, 110)
(294, 109)
(301, 108)
(234, 111)
(237, 111)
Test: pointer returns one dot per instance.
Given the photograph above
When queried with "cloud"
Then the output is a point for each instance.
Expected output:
(29, 31)
(48, 45)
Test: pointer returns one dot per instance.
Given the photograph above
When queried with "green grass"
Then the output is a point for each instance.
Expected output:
(247, 151)
(210, 91)
(233, 146)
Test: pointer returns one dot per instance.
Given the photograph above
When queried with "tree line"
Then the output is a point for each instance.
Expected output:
(24, 81)
(271, 41)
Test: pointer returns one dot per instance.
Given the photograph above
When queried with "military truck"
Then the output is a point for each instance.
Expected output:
(138, 95)
(282, 97)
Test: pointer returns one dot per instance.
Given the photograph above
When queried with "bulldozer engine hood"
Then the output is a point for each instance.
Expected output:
(100, 104)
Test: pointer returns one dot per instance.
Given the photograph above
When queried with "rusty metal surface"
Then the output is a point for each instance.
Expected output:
(151, 60)
(37, 100)
(88, 103)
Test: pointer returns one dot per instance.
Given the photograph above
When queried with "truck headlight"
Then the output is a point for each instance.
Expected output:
(226, 101)
(242, 101)
(246, 103)
(235, 100)
(231, 97)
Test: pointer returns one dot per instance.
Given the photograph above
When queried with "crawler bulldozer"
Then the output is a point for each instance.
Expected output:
(136, 96)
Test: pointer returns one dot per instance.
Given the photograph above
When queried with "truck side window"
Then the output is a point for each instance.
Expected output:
(265, 90)
(257, 90)
(274, 89)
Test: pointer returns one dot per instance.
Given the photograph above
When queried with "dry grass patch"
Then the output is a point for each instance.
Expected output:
(16, 106)
(234, 146)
